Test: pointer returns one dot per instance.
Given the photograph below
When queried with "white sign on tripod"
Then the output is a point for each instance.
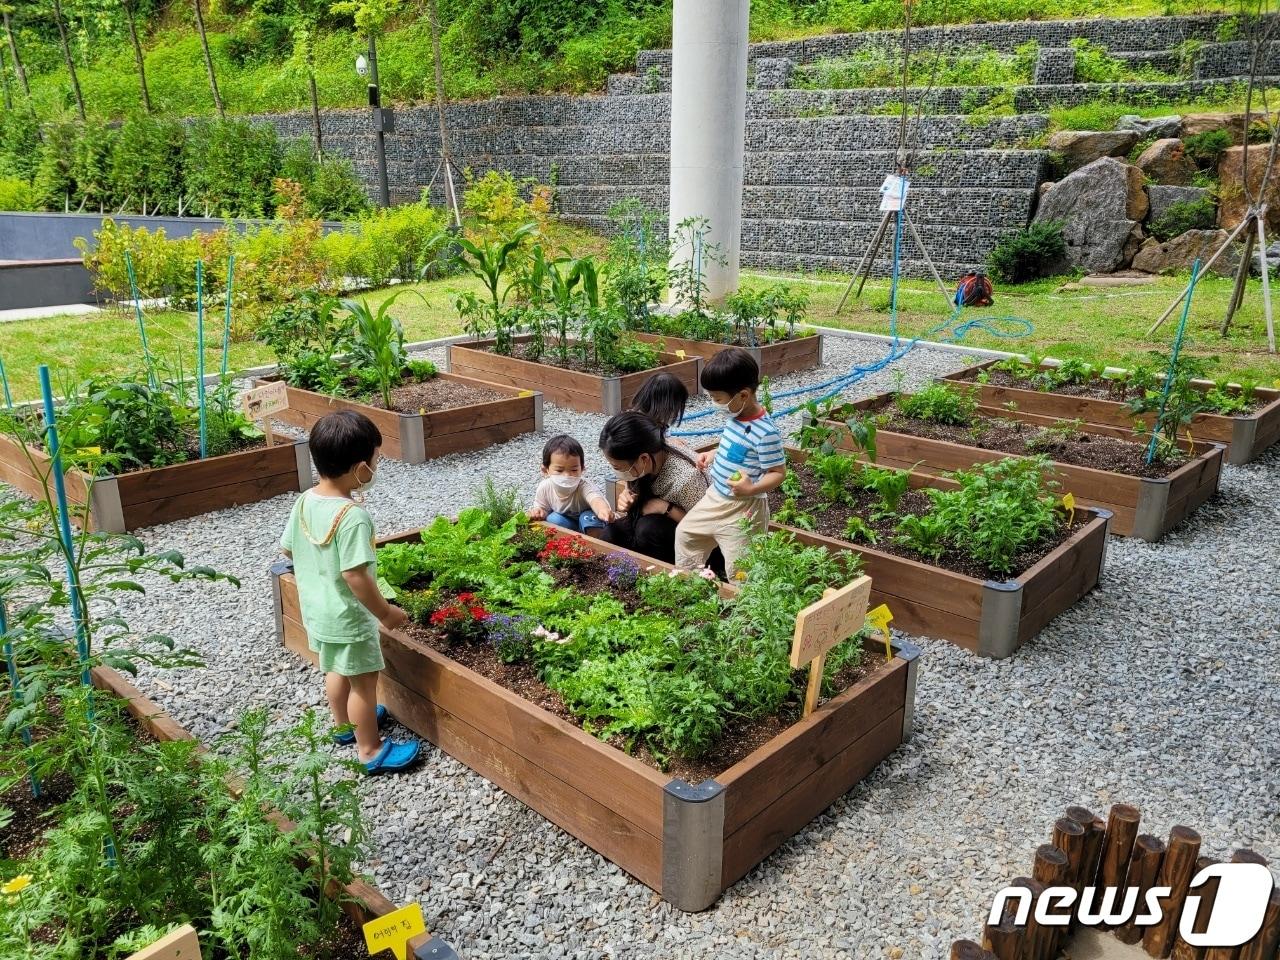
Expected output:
(893, 193)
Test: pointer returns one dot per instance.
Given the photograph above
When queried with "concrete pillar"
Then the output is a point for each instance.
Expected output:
(708, 126)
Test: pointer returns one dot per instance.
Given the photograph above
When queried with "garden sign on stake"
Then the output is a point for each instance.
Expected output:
(261, 402)
(821, 625)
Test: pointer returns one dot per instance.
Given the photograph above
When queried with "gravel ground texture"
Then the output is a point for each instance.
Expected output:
(1160, 688)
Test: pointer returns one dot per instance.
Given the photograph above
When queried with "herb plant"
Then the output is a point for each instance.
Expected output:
(939, 403)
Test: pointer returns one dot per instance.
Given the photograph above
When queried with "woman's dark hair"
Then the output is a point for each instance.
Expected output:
(341, 440)
(662, 398)
(564, 445)
(730, 371)
(627, 436)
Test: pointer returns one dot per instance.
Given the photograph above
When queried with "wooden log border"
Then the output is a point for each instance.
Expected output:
(775, 359)
(1246, 436)
(360, 900)
(130, 501)
(417, 437)
(688, 842)
(584, 392)
(1111, 853)
(1141, 507)
(989, 617)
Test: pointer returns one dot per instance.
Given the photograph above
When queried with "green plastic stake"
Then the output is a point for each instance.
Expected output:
(204, 419)
(226, 326)
(142, 326)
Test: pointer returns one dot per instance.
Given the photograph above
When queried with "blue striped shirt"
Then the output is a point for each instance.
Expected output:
(750, 446)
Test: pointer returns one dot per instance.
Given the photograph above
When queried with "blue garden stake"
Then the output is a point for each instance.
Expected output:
(16, 687)
(204, 420)
(1173, 363)
(142, 327)
(226, 326)
(4, 381)
(64, 531)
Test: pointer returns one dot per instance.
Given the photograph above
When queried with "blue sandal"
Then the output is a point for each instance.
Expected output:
(395, 755)
(350, 736)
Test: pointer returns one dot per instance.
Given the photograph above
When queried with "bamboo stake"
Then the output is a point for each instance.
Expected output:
(1175, 873)
(1144, 867)
(1181, 949)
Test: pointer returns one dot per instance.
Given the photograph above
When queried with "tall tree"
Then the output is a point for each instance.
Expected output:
(5, 10)
(304, 22)
(67, 57)
(208, 61)
(137, 53)
(4, 79)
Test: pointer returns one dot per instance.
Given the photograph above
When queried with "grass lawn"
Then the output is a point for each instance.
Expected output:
(1095, 324)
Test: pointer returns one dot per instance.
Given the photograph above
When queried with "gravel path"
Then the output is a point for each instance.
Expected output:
(1160, 688)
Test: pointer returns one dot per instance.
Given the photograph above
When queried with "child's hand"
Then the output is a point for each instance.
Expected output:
(742, 486)
(605, 513)
(537, 513)
(396, 617)
(705, 458)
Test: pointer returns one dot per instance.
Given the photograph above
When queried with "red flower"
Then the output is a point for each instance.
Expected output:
(565, 549)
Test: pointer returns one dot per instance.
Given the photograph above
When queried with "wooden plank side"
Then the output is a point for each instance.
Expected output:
(794, 810)
(169, 509)
(808, 745)
(474, 416)
(477, 438)
(599, 825)
(692, 348)
(312, 406)
(198, 476)
(147, 712)
(1083, 549)
(475, 355)
(17, 471)
(577, 396)
(686, 371)
(1204, 469)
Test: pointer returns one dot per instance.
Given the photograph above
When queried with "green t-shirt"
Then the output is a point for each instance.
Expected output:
(328, 535)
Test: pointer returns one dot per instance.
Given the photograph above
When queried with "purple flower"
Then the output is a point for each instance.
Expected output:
(622, 571)
(509, 636)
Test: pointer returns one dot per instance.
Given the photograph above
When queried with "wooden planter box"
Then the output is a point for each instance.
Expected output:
(584, 392)
(119, 504)
(775, 359)
(1245, 436)
(418, 437)
(361, 901)
(1140, 507)
(688, 842)
(991, 618)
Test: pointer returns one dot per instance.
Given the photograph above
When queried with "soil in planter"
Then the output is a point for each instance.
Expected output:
(1025, 439)
(192, 451)
(434, 394)
(550, 358)
(831, 519)
(1095, 389)
(741, 736)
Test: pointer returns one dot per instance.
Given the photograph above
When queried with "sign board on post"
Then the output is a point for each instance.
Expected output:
(820, 626)
(180, 944)
(261, 402)
(394, 930)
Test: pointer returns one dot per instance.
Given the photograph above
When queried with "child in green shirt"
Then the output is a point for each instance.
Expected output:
(330, 539)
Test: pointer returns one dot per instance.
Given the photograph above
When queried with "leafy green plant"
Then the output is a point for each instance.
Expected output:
(837, 474)
(1206, 149)
(692, 250)
(637, 266)
(939, 403)
(1184, 215)
(379, 343)
(924, 533)
(500, 503)
(490, 264)
(856, 529)
(890, 486)
(1030, 253)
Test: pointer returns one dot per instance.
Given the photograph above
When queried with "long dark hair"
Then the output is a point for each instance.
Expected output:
(662, 397)
(626, 436)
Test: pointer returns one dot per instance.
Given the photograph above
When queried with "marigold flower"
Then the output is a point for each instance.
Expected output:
(16, 885)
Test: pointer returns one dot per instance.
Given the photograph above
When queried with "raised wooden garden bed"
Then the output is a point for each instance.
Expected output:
(418, 437)
(584, 392)
(129, 501)
(360, 900)
(1141, 507)
(688, 842)
(775, 359)
(991, 618)
(1246, 436)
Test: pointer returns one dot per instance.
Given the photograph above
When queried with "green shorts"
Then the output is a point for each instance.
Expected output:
(349, 659)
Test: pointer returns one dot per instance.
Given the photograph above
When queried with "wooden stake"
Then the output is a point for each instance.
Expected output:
(1117, 845)
(1181, 949)
(1003, 939)
(1144, 868)
(1050, 868)
(1226, 245)
(814, 690)
(1266, 944)
(968, 950)
(1094, 831)
(1069, 837)
(1175, 873)
(1266, 280)
(1031, 931)
(1242, 275)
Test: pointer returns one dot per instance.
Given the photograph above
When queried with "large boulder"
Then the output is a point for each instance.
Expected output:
(1079, 148)
(1147, 127)
(1164, 197)
(1166, 161)
(1232, 201)
(1197, 123)
(1100, 207)
(1181, 252)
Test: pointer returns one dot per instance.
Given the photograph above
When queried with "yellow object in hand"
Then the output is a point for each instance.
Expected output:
(735, 476)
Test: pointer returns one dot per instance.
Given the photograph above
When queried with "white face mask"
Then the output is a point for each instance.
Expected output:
(373, 477)
(630, 475)
(566, 484)
(726, 407)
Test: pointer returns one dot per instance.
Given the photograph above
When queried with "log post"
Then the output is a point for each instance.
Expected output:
(968, 950)
(1144, 867)
(1117, 845)
(1050, 868)
(1265, 945)
(1003, 939)
(1181, 949)
(1031, 930)
(1175, 873)
(1069, 836)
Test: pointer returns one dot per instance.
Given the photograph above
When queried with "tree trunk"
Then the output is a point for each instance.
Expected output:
(4, 79)
(17, 60)
(315, 108)
(66, 54)
(137, 55)
(208, 61)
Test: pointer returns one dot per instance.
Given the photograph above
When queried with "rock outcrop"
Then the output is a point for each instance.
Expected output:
(1100, 207)
(1166, 161)
(1181, 252)
(1079, 148)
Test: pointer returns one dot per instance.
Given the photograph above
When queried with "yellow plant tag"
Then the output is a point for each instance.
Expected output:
(394, 930)
(91, 451)
(1069, 502)
(422, 411)
(525, 393)
(680, 354)
(1191, 440)
(880, 618)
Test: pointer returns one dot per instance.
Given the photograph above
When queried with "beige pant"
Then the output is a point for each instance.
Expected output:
(718, 521)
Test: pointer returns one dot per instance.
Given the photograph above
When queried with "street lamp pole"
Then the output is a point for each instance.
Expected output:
(380, 118)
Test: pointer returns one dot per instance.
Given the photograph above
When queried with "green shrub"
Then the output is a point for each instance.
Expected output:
(146, 164)
(939, 403)
(19, 144)
(1185, 215)
(162, 267)
(1030, 253)
(1206, 149)
(230, 166)
(330, 187)
(17, 194)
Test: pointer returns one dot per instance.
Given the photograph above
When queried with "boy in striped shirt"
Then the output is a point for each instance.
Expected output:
(745, 467)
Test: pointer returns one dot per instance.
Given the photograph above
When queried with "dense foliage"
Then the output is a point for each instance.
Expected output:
(1032, 252)
(656, 658)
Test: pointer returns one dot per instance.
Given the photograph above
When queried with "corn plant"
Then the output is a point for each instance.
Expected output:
(490, 264)
(379, 343)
